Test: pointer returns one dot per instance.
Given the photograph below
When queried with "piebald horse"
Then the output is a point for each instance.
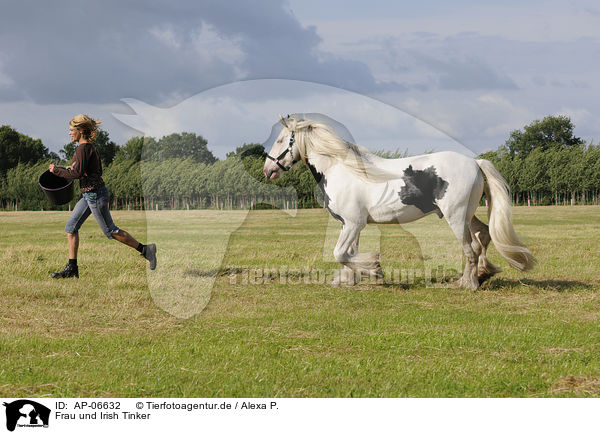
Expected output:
(360, 187)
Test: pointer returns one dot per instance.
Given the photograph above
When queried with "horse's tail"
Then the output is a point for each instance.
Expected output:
(502, 231)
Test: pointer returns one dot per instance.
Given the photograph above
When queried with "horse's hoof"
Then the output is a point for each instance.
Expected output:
(460, 283)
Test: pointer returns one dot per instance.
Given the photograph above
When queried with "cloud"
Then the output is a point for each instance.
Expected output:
(68, 51)
(443, 65)
(480, 121)
(466, 74)
(227, 119)
(426, 61)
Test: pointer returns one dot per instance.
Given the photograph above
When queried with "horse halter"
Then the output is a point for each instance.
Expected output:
(289, 149)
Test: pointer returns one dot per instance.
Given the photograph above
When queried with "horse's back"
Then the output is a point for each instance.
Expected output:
(448, 164)
(437, 182)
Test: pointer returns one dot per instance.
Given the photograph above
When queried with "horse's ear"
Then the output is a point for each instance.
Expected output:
(283, 122)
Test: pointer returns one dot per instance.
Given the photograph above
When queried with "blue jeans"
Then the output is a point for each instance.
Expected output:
(95, 203)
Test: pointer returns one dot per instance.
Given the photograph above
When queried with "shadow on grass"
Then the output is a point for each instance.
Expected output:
(259, 275)
(499, 284)
(202, 273)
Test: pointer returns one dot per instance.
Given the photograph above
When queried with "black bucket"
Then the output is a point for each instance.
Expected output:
(59, 190)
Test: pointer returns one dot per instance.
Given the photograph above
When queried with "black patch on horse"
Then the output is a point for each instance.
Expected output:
(422, 188)
(317, 175)
(322, 183)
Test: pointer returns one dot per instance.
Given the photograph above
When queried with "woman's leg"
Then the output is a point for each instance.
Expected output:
(79, 214)
(148, 251)
(125, 238)
(99, 205)
(73, 243)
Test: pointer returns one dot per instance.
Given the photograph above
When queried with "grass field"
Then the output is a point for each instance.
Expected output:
(206, 323)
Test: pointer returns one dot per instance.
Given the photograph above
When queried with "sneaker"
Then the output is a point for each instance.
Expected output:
(149, 252)
(68, 271)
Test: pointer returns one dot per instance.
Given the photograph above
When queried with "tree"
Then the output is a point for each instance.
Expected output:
(20, 189)
(248, 150)
(552, 131)
(534, 178)
(107, 149)
(184, 145)
(68, 151)
(18, 148)
(132, 150)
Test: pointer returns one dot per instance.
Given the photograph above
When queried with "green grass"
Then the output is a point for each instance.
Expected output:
(121, 330)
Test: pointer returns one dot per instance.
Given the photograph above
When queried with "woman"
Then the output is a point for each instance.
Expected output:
(87, 167)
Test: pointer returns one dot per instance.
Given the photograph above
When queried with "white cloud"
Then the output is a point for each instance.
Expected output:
(155, 52)
(524, 21)
(226, 118)
(210, 44)
(166, 36)
(578, 116)
(586, 123)
(473, 71)
(50, 123)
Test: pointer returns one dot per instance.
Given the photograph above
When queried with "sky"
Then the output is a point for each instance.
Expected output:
(397, 74)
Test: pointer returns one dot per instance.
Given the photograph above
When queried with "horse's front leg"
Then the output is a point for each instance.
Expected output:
(355, 263)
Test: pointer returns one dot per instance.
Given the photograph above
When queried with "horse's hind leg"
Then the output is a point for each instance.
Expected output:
(459, 220)
(459, 206)
(480, 235)
(469, 278)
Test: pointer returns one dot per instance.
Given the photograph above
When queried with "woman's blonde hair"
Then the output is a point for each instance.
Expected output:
(87, 126)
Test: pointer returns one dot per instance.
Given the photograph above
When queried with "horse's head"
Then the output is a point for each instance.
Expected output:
(284, 153)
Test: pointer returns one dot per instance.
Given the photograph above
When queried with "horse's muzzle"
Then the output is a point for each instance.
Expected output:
(270, 171)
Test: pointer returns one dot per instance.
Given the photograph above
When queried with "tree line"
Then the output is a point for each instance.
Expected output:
(177, 171)
(545, 163)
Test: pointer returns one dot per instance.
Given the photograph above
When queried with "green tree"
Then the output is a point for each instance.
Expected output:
(184, 145)
(68, 151)
(18, 148)
(552, 131)
(107, 149)
(131, 150)
(248, 150)
(397, 153)
(534, 178)
(20, 189)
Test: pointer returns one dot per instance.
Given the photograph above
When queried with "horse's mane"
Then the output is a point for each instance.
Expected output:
(321, 139)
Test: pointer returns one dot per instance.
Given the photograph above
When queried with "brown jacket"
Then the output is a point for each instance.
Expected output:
(86, 167)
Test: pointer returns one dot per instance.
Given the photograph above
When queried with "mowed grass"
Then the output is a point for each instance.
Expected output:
(535, 334)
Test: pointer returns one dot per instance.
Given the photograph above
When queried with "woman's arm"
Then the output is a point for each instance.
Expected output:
(75, 170)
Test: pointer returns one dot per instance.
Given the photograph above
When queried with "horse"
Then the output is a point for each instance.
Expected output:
(360, 188)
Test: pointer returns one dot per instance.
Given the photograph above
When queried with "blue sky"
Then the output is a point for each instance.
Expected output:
(471, 70)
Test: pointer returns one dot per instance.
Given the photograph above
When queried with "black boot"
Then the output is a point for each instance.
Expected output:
(70, 270)
(149, 252)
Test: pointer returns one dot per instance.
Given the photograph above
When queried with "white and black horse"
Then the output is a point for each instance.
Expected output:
(361, 188)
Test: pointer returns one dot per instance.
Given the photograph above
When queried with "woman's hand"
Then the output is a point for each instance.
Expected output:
(51, 168)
